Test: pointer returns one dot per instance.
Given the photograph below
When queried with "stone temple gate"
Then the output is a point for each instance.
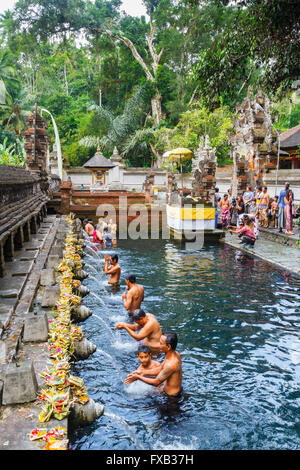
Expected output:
(254, 144)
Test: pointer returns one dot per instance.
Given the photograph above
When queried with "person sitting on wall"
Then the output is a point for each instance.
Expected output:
(88, 227)
(150, 330)
(148, 367)
(169, 379)
(245, 232)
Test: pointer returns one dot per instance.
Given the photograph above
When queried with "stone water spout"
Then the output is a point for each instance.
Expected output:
(83, 415)
(83, 349)
(80, 274)
(83, 291)
(81, 313)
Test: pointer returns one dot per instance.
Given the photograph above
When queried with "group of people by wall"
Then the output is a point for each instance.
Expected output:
(259, 206)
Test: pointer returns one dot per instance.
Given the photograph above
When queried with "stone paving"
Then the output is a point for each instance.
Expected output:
(21, 316)
(285, 257)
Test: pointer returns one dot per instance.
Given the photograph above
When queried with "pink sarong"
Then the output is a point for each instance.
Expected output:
(226, 216)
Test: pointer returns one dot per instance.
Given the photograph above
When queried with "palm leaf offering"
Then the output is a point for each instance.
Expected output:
(63, 389)
(55, 438)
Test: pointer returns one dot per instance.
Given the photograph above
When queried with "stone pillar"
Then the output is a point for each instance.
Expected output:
(26, 231)
(171, 185)
(9, 250)
(33, 224)
(115, 174)
(66, 192)
(148, 186)
(36, 143)
(2, 260)
(204, 166)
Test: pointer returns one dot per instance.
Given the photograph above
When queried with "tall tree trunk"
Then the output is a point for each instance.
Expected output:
(156, 108)
(158, 161)
(151, 75)
(66, 79)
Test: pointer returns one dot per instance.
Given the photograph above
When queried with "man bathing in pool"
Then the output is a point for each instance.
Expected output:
(145, 328)
(148, 367)
(134, 295)
(113, 269)
(170, 374)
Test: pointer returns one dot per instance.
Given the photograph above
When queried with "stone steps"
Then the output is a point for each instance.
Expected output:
(19, 285)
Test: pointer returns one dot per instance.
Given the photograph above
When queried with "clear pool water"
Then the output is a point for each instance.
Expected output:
(237, 319)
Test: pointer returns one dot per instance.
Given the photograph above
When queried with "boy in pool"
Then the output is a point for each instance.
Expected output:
(148, 367)
(169, 378)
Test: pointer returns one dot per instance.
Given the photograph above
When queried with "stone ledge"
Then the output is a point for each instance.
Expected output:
(278, 237)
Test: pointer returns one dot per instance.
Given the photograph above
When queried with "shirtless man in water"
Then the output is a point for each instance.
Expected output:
(113, 270)
(146, 328)
(171, 372)
(88, 227)
(134, 296)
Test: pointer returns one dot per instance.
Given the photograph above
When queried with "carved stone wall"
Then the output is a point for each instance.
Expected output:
(22, 207)
(204, 167)
(253, 146)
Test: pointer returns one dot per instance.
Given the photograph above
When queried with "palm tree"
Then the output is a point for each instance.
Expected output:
(119, 129)
(9, 82)
(14, 110)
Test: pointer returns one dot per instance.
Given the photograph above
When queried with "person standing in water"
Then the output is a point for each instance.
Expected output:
(112, 267)
(134, 295)
(169, 379)
(88, 227)
(146, 329)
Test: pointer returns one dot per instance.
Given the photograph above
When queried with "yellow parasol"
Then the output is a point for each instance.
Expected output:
(180, 155)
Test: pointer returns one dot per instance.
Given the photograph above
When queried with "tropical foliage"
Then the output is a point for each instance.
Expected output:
(144, 84)
(197, 122)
